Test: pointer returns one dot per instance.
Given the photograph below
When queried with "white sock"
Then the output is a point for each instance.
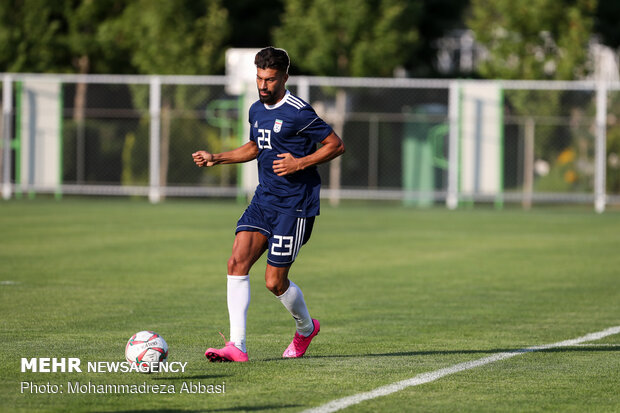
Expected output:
(293, 300)
(238, 295)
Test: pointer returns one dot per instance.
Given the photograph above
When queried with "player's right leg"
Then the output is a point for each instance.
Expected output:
(250, 243)
(247, 248)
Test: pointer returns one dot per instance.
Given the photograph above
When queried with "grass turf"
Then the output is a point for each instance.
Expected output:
(398, 291)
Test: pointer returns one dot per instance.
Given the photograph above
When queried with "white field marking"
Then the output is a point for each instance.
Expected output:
(597, 345)
(423, 378)
(9, 282)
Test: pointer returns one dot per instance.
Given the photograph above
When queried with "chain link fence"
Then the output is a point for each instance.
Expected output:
(420, 142)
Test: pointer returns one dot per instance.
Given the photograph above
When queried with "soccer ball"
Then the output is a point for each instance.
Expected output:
(146, 349)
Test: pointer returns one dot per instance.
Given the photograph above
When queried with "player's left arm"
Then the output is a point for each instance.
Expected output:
(332, 147)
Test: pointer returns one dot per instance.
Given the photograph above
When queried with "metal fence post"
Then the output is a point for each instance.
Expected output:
(528, 161)
(600, 148)
(452, 198)
(373, 152)
(303, 88)
(7, 111)
(155, 123)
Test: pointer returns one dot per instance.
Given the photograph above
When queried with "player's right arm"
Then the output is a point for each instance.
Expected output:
(242, 154)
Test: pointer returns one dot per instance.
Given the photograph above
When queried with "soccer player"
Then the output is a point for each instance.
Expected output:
(284, 135)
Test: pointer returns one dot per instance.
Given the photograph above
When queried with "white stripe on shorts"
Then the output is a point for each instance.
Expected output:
(299, 236)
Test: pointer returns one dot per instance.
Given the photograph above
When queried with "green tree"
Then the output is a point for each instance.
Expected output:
(113, 36)
(118, 36)
(183, 37)
(58, 36)
(89, 50)
(538, 40)
(533, 39)
(29, 40)
(348, 37)
(86, 52)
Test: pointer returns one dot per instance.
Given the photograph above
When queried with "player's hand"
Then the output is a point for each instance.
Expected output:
(203, 158)
(286, 165)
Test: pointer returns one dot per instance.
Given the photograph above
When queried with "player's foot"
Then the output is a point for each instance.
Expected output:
(228, 353)
(300, 344)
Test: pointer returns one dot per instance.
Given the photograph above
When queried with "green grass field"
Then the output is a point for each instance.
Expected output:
(399, 292)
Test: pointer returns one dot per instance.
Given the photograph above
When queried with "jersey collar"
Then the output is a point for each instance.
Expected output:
(280, 103)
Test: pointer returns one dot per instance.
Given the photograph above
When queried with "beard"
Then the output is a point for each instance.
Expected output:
(269, 99)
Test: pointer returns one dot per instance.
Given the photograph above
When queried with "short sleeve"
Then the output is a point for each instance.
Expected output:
(252, 137)
(311, 126)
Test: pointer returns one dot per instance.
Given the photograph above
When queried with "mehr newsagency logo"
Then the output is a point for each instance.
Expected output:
(75, 365)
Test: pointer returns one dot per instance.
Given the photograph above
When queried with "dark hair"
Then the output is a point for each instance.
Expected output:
(272, 58)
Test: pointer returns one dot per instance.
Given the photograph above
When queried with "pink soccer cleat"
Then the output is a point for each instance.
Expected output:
(228, 353)
(300, 344)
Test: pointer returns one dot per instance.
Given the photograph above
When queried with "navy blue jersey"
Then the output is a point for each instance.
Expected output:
(289, 126)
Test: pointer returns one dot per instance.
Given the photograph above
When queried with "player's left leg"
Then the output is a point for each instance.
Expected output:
(290, 295)
(290, 234)
(276, 280)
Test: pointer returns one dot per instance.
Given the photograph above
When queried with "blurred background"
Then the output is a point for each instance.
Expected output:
(438, 101)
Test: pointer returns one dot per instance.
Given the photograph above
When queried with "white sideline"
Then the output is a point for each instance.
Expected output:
(339, 404)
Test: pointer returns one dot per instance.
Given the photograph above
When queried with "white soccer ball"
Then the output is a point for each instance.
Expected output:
(146, 349)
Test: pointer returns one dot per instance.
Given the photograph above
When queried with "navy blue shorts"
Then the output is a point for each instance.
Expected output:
(286, 234)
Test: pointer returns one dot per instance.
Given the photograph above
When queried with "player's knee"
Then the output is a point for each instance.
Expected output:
(272, 286)
(237, 266)
(276, 285)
